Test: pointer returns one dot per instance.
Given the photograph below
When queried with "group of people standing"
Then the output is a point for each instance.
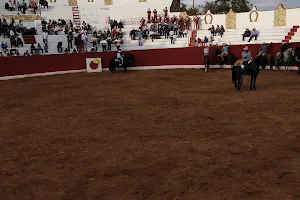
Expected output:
(182, 22)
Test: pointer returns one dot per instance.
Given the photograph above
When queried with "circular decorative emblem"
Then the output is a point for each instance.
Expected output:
(93, 65)
(251, 14)
(205, 18)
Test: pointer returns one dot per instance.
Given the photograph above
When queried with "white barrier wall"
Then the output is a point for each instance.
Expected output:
(279, 17)
(265, 20)
(119, 9)
(292, 17)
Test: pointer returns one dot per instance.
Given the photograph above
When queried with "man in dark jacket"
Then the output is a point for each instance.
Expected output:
(247, 33)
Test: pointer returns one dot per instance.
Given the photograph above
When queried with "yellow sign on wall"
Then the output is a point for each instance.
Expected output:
(108, 2)
(143, 0)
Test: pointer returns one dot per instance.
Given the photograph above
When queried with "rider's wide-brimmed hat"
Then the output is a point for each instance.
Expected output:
(245, 48)
(119, 50)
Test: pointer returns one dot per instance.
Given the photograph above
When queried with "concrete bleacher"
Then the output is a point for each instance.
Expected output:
(234, 36)
(296, 37)
(57, 10)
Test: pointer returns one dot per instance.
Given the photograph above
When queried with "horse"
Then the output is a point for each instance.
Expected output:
(297, 58)
(237, 76)
(288, 56)
(252, 70)
(230, 58)
(115, 62)
(206, 59)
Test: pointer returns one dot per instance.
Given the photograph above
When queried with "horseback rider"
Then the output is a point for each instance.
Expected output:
(246, 55)
(283, 48)
(205, 51)
(263, 52)
(264, 49)
(225, 50)
(120, 57)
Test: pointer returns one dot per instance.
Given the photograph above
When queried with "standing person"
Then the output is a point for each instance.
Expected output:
(70, 40)
(45, 37)
(140, 36)
(155, 15)
(171, 33)
(108, 40)
(103, 42)
(149, 15)
(84, 40)
(246, 55)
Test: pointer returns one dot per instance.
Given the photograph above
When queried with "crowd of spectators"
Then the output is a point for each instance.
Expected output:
(219, 30)
(22, 6)
(158, 31)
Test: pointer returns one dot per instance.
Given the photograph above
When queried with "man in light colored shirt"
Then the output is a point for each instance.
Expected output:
(103, 42)
(254, 34)
(84, 40)
(171, 34)
(45, 37)
(247, 57)
(140, 37)
(225, 50)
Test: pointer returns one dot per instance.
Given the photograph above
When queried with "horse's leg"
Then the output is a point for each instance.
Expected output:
(251, 82)
(234, 78)
(254, 82)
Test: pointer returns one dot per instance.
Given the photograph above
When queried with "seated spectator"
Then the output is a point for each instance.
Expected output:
(218, 30)
(92, 49)
(2, 54)
(247, 33)
(211, 40)
(4, 47)
(26, 53)
(206, 39)
(94, 42)
(200, 42)
(67, 50)
(46, 48)
(32, 49)
(222, 31)
(39, 48)
(133, 34)
(59, 47)
(212, 30)
(254, 34)
(13, 41)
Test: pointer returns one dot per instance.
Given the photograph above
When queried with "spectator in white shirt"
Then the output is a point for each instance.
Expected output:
(84, 38)
(171, 34)
(254, 34)
(103, 42)
(45, 37)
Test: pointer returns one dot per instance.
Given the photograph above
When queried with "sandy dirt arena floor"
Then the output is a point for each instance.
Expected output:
(167, 134)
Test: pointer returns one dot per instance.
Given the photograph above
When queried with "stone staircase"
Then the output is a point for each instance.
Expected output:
(76, 18)
(29, 39)
(291, 33)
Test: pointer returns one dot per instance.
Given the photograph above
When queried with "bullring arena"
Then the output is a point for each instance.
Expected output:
(166, 129)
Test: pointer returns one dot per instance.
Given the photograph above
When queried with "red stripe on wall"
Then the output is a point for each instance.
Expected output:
(11, 66)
